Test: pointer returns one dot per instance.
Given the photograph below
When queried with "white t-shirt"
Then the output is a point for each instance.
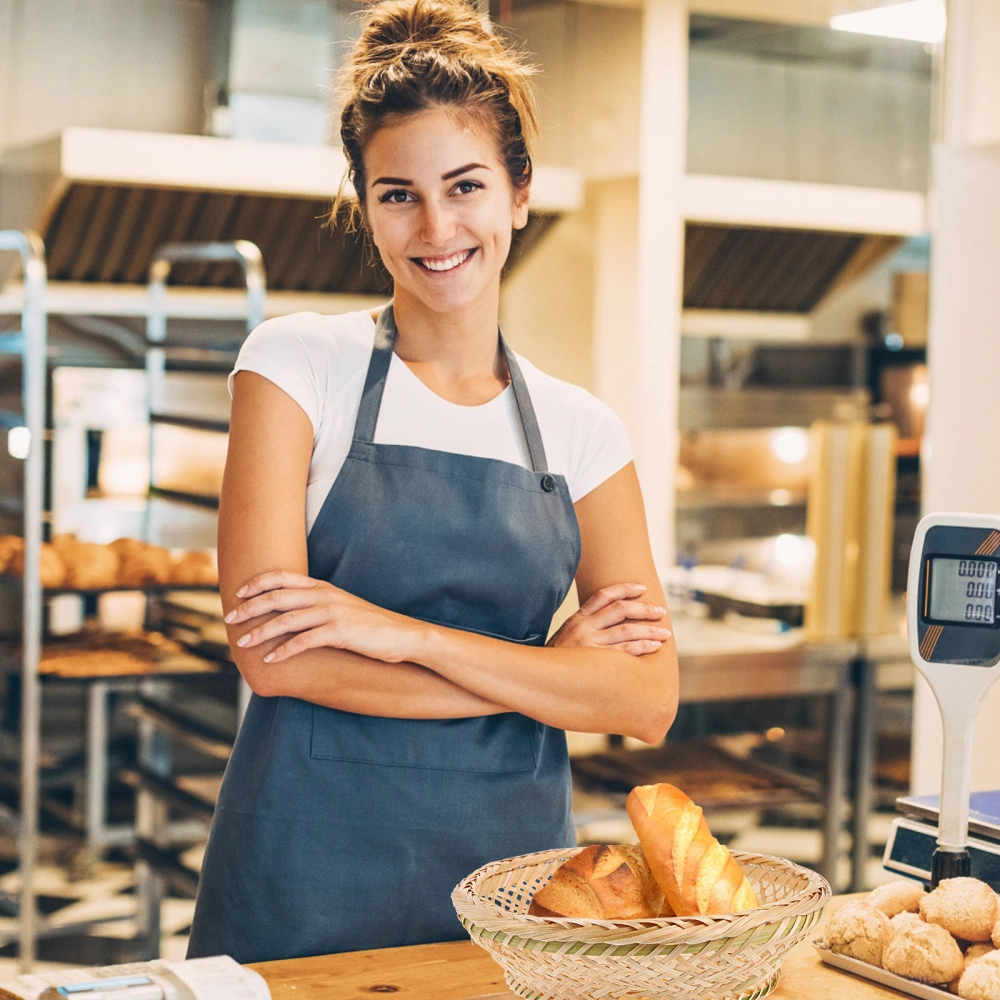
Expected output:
(321, 362)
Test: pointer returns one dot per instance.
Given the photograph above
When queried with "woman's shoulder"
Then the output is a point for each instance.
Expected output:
(312, 357)
(341, 334)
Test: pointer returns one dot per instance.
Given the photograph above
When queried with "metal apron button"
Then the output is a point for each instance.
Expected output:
(548, 483)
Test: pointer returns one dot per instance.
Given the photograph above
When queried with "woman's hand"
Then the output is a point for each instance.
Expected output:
(614, 616)
(317, 614)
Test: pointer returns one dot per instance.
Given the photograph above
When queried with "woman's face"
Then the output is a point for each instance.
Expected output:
(440, 208)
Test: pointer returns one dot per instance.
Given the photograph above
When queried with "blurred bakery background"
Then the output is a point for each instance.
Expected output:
(814, 183)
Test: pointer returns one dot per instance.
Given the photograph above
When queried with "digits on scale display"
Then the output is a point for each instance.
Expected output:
(963, 590)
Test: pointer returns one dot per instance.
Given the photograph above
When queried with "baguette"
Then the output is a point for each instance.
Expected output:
(602, 883)
(696, 873)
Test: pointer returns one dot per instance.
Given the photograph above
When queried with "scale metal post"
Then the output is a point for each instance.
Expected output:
(953, 623)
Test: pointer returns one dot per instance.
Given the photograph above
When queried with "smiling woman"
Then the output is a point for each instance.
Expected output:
(406, 503)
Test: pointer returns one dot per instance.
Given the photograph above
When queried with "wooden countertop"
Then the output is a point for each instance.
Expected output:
(460, 970)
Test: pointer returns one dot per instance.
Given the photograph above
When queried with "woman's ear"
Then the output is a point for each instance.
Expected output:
(522, 196)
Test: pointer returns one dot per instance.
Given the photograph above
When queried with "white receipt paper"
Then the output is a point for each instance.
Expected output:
(217, 978)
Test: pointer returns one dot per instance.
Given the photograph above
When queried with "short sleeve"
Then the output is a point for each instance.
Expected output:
(600, 449)
(282, 354)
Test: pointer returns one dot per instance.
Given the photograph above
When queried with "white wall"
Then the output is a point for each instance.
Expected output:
(960, 471)
(546, 306)
(747, 116)
(810, 122)
(137, 64)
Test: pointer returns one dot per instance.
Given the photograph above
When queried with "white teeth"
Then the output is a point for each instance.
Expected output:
(448, 262)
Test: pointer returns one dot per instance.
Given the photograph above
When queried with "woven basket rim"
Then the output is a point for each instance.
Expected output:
(473, 909)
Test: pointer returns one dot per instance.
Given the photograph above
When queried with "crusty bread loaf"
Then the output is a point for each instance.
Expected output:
(602, 882)
(194, 569)
(901, 896)
(965, 907)
(9, 544)
(89, 566)
(925, 952)
(52, 568)
(696, 873)
(145, 567)
(860, 930)
(981, 978)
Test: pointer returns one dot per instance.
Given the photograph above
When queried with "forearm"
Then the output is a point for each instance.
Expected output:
(337, 678)
(586, 689)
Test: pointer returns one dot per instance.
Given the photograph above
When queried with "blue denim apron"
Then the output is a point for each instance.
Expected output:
(336, 832)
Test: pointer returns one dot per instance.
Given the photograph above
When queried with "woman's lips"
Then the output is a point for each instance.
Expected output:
(444, 265)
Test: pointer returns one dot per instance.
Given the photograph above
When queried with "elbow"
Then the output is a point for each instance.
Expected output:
(661, 711)
(657, 727)
(260, 679)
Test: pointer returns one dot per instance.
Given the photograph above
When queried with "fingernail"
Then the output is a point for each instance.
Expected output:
(230, 617)
(269, 657)
(241, 591)
(664, 632)
(659, 610)
(243, 640)
(641, 586)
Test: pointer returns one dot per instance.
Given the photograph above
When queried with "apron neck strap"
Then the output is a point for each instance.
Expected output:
(526, 410)
(378, 370)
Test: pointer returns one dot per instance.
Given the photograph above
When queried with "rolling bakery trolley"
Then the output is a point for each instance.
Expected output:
(162, 660)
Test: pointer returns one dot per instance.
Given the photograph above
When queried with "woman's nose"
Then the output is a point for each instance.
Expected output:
(438, 224)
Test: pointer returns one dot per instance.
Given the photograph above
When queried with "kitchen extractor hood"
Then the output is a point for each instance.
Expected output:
(760, 256)
(103, 200)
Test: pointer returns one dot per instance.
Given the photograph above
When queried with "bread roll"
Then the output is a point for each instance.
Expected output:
(901, 920)
(53, 570)
(859, 931)
(145, 567)
(126, 547)
(696, 873)
(9, 544)
(922, 951)
(996, 930)
(602, 883)
(965, 907)
(194, 569)
(975, 951)
(90, 566)
(901, 896)
(981, 978)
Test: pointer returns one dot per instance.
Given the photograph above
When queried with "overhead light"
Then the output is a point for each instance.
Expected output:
(913, 21)
(18, 442)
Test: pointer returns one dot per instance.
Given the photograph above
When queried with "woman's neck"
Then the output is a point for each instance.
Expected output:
(457, 345)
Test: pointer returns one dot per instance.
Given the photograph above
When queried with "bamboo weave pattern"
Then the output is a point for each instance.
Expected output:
(724, 957)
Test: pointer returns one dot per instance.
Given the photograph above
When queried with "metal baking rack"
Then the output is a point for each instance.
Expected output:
(32, 433)
(160, 842)
(29, 342)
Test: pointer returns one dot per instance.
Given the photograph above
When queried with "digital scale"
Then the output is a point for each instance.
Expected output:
(953, 625)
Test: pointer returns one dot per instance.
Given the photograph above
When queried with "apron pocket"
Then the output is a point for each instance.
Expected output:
(493, 744)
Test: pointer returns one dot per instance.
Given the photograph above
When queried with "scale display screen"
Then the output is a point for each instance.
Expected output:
(962, 590)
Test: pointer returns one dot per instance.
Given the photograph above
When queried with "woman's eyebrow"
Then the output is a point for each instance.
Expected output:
(403, 182)
(461, 170)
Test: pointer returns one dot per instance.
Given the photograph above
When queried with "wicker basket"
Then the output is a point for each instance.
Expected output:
(728, 957)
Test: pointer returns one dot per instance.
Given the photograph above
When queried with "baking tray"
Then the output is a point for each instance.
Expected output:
(880, 976)
(715, 778)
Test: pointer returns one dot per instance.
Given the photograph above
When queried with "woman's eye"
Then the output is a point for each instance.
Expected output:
(467, 187)
(396, 197)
